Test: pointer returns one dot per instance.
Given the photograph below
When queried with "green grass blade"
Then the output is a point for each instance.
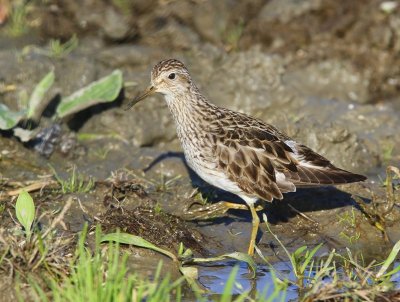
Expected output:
(227, 293)
(292, 260)
(60, 50)
(389, 260)
(392, 272)
(326, 268)
(309, 258)
(99, 273)
(136, 241)
(17, 289)
(9, 119)
(299, 251)
(25, 211)
(36, 103)
(104, 90)
(40, 294)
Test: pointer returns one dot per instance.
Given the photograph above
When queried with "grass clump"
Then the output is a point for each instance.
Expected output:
(349, 221)
(59, 50)
(17, 24)
(46, 267)
(32, 250)
(379, 211)
(75, 183)
(232, 36)
(164, 183)
(101, 274)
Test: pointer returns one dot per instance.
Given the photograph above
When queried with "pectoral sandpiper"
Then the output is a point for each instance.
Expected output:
(235, 152)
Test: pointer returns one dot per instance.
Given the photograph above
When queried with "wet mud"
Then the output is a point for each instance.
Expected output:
(325, 72)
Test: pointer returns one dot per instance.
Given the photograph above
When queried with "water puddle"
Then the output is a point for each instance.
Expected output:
(265, 285)
(214, 279)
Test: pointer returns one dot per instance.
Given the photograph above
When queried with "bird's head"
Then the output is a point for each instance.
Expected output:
(169, 77)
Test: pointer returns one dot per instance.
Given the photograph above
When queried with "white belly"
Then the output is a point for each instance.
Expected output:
(208, 172)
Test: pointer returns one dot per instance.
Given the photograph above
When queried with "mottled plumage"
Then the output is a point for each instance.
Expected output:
(236, 152)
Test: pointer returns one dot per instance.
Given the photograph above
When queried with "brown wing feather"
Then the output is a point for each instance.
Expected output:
(314, 169)
(262, 162)
(248, 161)
(253, 173)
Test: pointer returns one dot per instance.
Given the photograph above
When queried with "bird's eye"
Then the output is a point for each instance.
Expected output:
(171, 76)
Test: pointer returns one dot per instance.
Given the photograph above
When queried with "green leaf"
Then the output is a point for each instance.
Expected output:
(389, 260)
(25, 211)
(136, 241)
(244, 258)
(104, 90)
(36, 105)
(9, 119)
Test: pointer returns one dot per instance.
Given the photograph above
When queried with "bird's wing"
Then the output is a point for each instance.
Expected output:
(250, 157)
(264, 162)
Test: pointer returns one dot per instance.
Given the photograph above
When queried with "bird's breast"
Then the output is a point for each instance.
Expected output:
(197, 149)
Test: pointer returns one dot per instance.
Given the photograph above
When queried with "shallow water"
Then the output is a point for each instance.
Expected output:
(214, 279)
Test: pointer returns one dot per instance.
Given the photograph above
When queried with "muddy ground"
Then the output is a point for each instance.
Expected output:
(325, 72)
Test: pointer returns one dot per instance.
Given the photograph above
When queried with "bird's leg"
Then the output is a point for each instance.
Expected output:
(254, 229)
(215, 210)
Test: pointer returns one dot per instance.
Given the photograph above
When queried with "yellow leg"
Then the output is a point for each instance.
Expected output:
(215, 210)
(231, 205)
(254, 229)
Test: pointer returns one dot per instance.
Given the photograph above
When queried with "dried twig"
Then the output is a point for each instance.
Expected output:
(302, 214)
(39, 185)
(59, 218)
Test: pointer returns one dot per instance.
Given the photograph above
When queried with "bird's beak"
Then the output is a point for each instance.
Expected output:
(149, 91)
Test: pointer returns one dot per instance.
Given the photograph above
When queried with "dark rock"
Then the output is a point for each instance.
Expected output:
(46, 140)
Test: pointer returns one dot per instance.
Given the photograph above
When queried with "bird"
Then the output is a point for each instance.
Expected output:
(235, 152)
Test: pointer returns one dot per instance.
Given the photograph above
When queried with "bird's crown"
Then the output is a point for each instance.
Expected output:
(168, 66)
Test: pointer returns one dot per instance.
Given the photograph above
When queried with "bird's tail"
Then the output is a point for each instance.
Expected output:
(323, 176)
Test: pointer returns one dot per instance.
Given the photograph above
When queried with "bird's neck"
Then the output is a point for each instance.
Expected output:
(189, 107)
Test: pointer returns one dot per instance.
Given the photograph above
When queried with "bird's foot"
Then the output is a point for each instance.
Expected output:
(214, 210)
